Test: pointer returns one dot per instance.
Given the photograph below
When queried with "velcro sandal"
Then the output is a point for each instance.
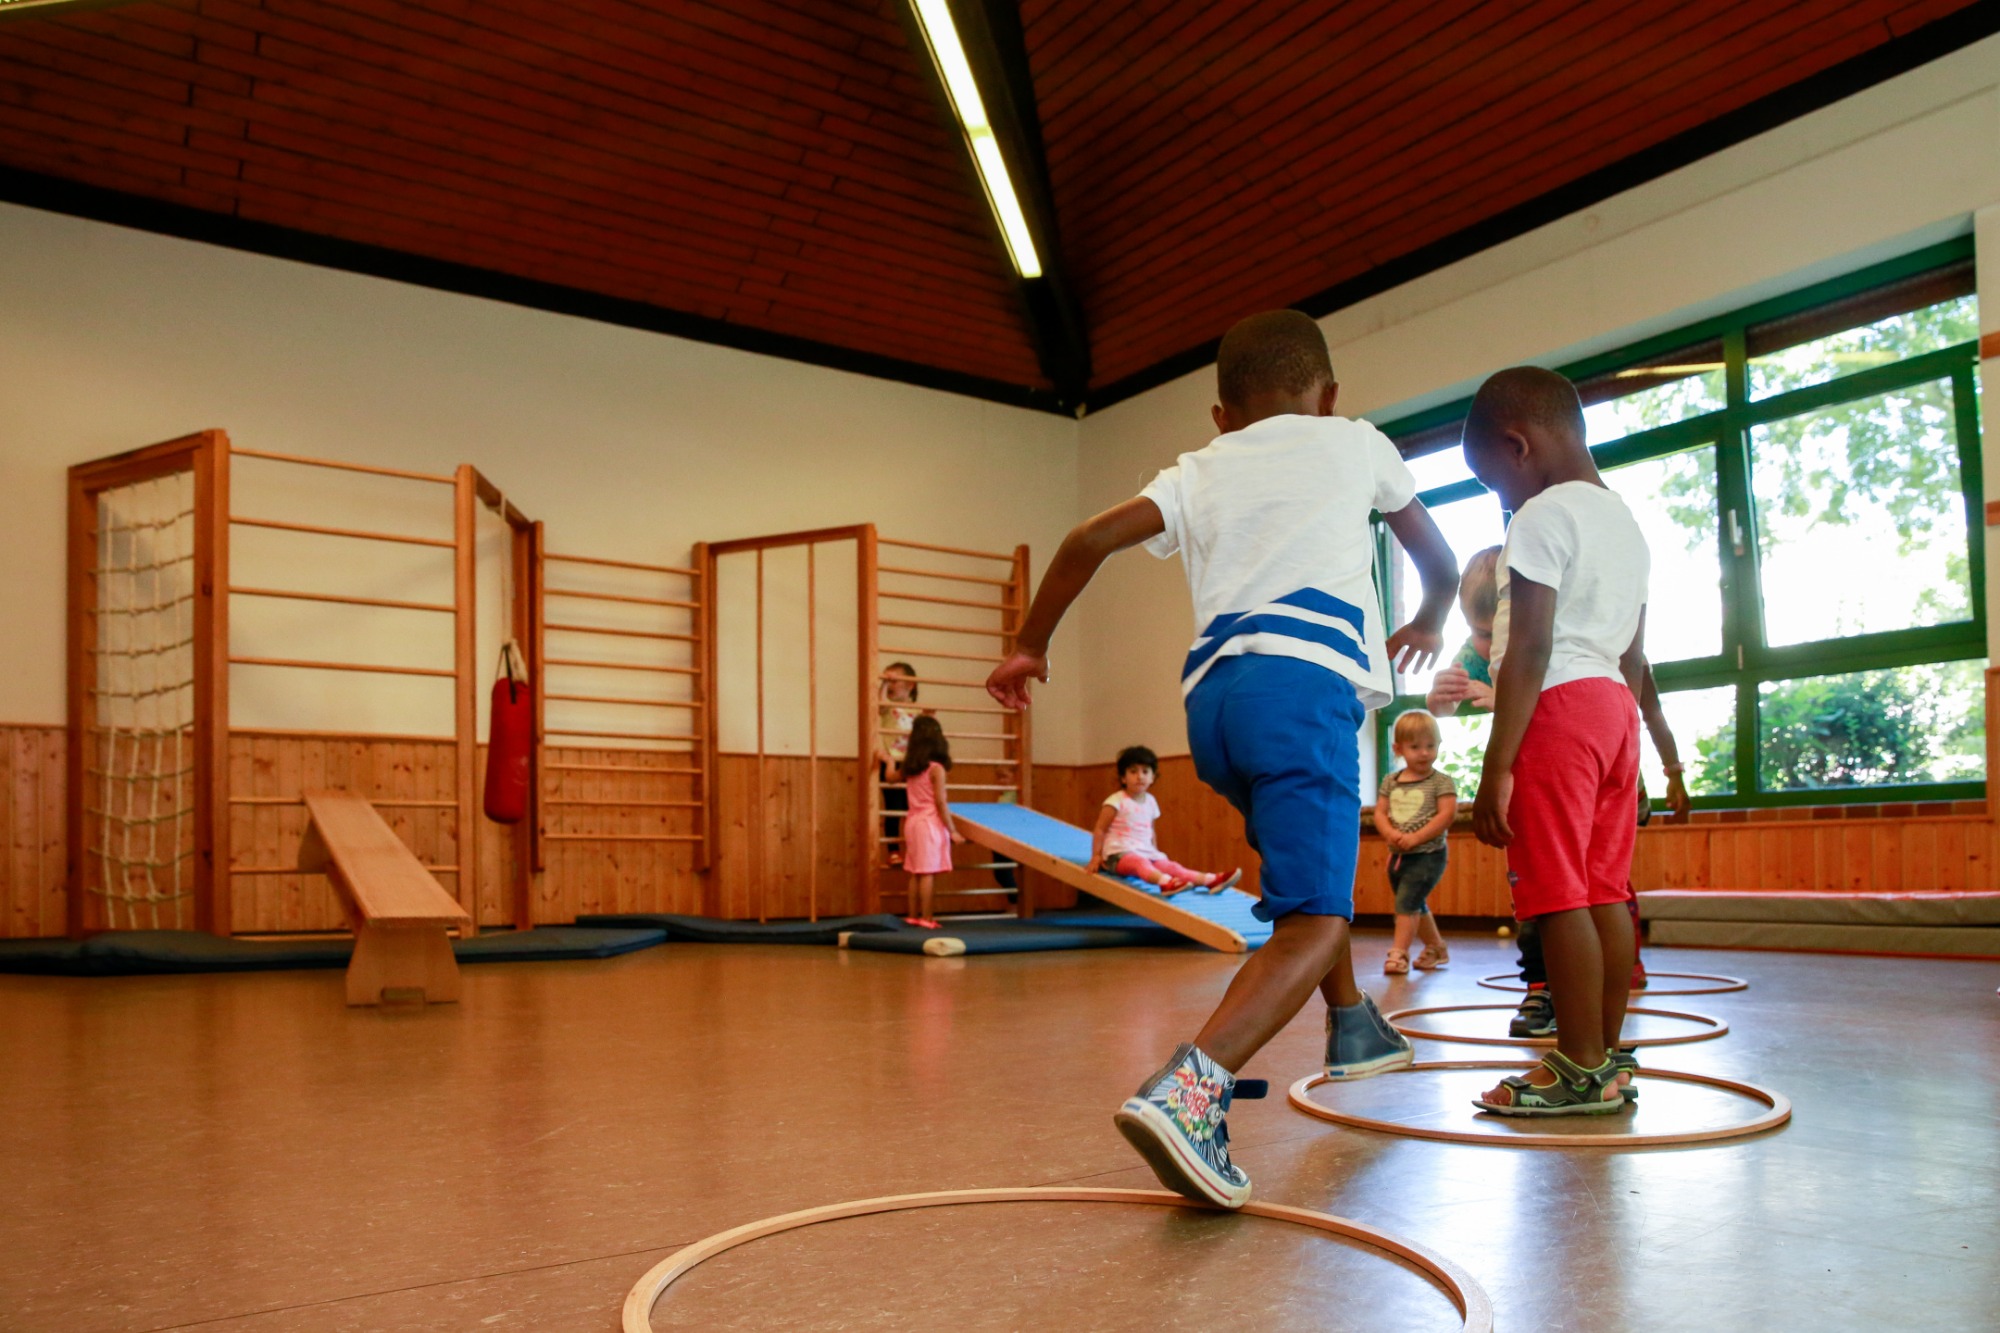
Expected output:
(1576, 1091)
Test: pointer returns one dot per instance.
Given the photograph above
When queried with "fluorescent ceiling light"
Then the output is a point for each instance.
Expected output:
(6, 5)
(934, 17)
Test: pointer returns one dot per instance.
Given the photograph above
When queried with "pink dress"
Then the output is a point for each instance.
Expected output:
(926, 846)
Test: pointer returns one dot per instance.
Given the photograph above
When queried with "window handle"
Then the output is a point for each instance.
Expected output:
(1736, 532)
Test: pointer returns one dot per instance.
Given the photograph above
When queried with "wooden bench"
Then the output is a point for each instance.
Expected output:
(399, 912)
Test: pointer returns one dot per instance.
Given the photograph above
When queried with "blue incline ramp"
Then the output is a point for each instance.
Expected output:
(1219, 920)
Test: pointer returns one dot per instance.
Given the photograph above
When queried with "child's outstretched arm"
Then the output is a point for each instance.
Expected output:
(1423, 638)
(1530, 636)
(1088, 545)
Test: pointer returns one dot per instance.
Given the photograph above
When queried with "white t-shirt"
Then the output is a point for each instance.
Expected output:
(1132, 828)
(1582, 541)
(1272, 524)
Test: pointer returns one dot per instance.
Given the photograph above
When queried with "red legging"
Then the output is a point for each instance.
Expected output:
(1133, 863)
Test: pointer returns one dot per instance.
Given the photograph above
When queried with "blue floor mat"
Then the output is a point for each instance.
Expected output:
(142, 952)
(712, 930)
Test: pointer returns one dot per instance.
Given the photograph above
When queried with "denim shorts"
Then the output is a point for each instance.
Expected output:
(1413, 875)
(1279, 738)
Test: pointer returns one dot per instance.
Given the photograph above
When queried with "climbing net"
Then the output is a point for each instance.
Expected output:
(141, 829)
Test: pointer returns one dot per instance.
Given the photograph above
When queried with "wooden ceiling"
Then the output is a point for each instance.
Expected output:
(778, 174)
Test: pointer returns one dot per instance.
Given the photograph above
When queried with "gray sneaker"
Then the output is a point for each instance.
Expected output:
(1537, 1015)
(1360, 1042)
(1177, 1122)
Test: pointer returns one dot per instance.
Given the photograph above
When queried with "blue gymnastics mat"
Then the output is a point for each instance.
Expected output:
(121, 953)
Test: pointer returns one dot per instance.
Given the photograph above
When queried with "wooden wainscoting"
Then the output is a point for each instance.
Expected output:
(33, 902)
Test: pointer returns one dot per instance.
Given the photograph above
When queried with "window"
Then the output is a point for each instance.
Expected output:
(1807, 476)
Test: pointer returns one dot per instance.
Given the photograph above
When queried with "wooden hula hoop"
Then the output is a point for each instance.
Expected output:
(1475, 1308)
(1780, 1111)
(1716, 1027)
(1507, 981)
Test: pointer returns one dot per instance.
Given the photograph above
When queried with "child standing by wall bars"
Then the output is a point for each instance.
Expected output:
(1122, 843)
(1561, 774)
(1413, 812)
(893, 719)
(928, 834)
(1271, 521)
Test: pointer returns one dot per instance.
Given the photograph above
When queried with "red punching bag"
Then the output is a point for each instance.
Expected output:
(510, 742)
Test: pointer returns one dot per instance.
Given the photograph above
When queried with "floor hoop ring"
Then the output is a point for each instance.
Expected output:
(1508, 981)
(1716, 1027)
(1779, 1111)
(1474, 1306)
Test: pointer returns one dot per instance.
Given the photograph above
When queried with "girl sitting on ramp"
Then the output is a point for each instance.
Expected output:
(1122, 843)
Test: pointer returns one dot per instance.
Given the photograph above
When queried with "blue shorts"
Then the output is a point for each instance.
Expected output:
(1279, 738)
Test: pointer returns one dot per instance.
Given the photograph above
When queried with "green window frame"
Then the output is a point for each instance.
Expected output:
(1746, 662)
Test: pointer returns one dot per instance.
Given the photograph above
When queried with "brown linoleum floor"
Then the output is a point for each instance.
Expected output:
(245, 1153)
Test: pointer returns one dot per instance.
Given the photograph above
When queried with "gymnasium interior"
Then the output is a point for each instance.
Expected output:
(493, 486)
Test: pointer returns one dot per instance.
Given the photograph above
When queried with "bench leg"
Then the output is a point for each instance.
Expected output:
(386, 959)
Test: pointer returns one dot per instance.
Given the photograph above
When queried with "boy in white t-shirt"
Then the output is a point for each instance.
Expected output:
(1561, 774)
(1271, 521)
(1123, 843)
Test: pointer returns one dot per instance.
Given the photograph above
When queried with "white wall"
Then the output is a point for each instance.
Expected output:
(1899, 166)
(627, 444)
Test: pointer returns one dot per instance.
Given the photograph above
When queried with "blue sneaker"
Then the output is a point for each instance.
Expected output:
(1360, 1042)
(1176, 1121)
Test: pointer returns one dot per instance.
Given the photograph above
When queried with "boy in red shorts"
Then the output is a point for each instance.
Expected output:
(1562, 761)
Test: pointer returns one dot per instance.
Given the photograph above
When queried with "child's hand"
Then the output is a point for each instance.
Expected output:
(1477, 695)
(1489, 811)
(1452, 684)
(1677, 797)
(957, 837)
(1420, 642)
(1009, 682)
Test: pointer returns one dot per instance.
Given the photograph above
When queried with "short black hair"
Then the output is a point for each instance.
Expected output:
(1279, 351)
(1525, 396)
(1137, 756)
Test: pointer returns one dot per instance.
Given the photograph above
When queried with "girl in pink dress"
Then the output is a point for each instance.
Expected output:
(928, 833)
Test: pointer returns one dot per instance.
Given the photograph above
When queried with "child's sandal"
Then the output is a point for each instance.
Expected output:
(1396, 964)
(1626, 1060)
(1228, 881)
(1576, 1091)
(1430, 960)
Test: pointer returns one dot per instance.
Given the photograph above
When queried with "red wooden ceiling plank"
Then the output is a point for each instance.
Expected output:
(108, 60)
(49, 93)
(1638, 79)
(1199, 50)
(945, 175)
(1906, 19)
(50, 125)
(640, 62)
(1671, 78)
(109, 22)
(1311, 115)
(1394, 162)
(1052, 32)
(110, 169)
(1103, 47)
(1190, 90)
(1330, 133)
(184, 22)
(435, 91)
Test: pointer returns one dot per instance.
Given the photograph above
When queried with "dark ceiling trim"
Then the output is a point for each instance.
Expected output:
(1898, 56)
(56, 195)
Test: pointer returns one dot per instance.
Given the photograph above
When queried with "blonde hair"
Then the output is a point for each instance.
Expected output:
(1416, 725)
(1479, 587)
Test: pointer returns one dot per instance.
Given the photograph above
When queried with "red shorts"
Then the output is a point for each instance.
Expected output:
(1576, 797)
